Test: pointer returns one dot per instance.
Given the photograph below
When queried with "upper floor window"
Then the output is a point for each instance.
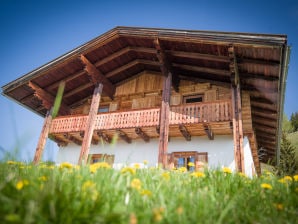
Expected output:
(103, 109)
(193, 98)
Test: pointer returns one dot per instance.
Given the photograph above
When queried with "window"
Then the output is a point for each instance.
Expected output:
(182, 159)
(96, 158)
(103, 109)
(193, 99)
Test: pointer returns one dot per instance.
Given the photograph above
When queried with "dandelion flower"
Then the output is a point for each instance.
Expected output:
(191, 164)
(295, 177)
(182, 169)
(136, 184)
(197, 174)
(278, 206)
(128, 170)
(145, 162)
(21, 183)
(101, 165)
(137, 166)
(226, 170)
(166, 175)
(266, 186)
(179, 210)
(288, 178)
(157, 214)
(66, 165)
(146, 193)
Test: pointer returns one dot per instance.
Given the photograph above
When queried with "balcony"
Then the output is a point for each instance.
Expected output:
(217, 115)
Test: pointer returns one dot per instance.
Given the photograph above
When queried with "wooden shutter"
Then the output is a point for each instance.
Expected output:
(210, 95)
(175, 100)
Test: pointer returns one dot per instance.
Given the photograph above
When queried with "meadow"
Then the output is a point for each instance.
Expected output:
(96, 193)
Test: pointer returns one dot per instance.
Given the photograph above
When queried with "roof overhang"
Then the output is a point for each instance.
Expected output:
(124, 52)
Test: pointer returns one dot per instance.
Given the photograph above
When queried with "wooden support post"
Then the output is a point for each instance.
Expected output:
(43, 137)
(164, 121)
(184, 132)
(208, 131)
(142, 134)
(90, 124)
(236, 112)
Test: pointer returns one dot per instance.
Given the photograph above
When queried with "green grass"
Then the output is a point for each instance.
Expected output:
(293, 138)
(99, 194)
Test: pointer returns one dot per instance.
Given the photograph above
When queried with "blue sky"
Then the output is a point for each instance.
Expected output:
(36, 32)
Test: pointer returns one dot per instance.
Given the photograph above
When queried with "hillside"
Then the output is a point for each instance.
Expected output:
(293, 137)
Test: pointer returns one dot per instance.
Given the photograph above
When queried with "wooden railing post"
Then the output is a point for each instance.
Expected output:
(90, 124)
(43, 137)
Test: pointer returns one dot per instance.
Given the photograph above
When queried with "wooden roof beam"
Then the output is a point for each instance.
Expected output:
(165, 64)
(184, 132)
(195, 68)
(207, 129)
(104, 136)
(124, 136)
(98, 77)
(47, 99)
(142, 134)
(72, 138)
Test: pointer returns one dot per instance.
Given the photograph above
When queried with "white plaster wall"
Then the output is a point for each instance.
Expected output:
(248, 160)
(220, 150)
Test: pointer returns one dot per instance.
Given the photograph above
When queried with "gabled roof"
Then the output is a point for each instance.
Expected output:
(201, 56)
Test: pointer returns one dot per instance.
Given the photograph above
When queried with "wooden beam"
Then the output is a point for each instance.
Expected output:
(72, 138)
(47, 99)
(142, 134)
(165, 64)
(208, 131)
(236, 112)
(164, 121)
(104, 136)
(184, 132)
(43, 137)
(195, 68)
(90, 124)
(98, 77)
(124, 136)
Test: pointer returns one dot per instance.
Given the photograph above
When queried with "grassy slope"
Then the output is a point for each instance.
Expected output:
(293, 137)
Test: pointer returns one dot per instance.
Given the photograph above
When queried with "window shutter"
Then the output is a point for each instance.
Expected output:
(210, 95)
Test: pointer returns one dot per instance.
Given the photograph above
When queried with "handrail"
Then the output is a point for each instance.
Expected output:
(215, 111)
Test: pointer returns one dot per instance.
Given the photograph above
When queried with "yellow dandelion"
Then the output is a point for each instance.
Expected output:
(166, 175)
(66, 165)
(242, 174)
(197, 174)
(146, 193)
(182, 169)
(191, 164)
(295, 177)
(88, 185)
(226, 170)
(128, 170)
(145, 162)
(266, 186)
(137, 166)
(21, 183)
(136, 184)
(179, 210)
(43, 178)
(10, 162)
(101, 165)
(157, 214)
(288, 178)
(278, 206)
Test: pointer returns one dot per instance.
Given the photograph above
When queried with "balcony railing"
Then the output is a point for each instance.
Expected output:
(217, 111)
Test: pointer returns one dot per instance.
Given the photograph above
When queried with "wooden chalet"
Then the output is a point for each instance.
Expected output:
(159, 87)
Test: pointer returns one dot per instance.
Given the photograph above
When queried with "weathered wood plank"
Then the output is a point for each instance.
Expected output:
(43, 137)
(142, 134)
(90, 124)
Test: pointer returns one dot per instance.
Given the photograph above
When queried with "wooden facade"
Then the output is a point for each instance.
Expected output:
(160, 83)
